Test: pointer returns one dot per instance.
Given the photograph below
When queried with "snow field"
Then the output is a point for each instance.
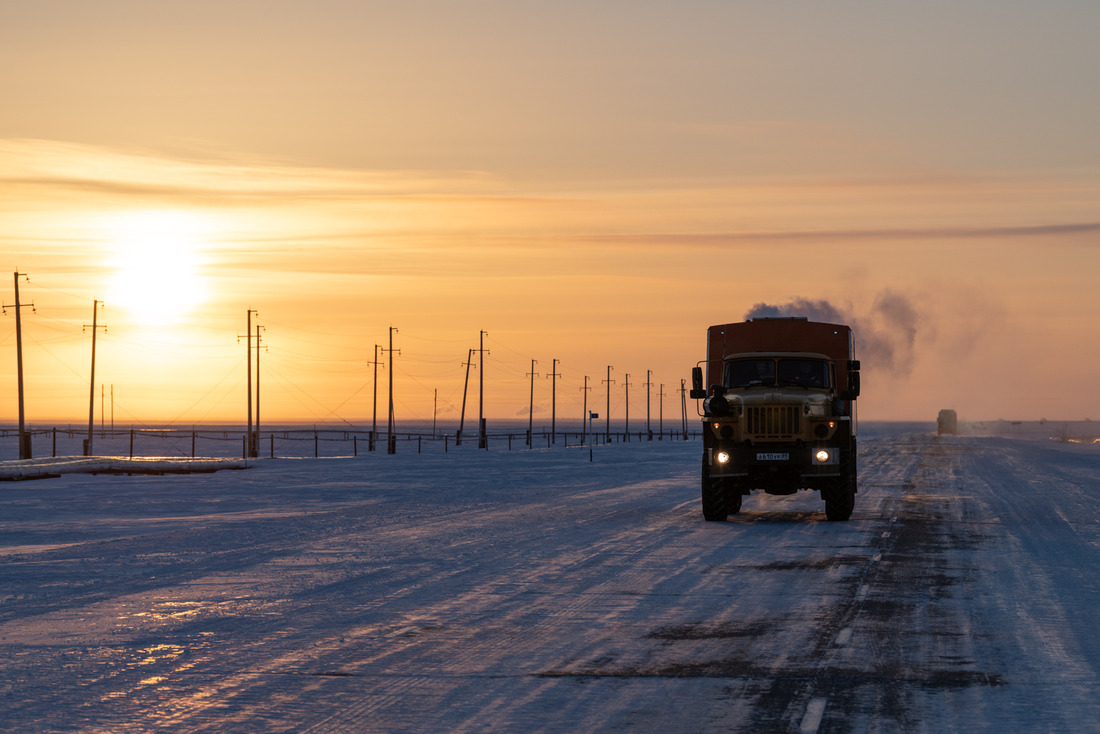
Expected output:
(540, 591)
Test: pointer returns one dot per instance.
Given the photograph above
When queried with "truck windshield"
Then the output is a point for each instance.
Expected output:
(803, 373)
(750, 372)
(782, 372)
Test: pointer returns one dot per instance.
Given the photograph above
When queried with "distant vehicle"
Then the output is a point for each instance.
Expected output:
(947, 422)
(779, 413)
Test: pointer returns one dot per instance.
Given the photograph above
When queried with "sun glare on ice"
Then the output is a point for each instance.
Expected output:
(157, 262)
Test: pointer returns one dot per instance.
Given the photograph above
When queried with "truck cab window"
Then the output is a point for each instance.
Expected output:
(803, 373)
(750, 373)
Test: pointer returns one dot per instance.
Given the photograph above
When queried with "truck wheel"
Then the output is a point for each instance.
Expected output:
(840, 500)
(715, 497)
(714, 500)
(733, 499)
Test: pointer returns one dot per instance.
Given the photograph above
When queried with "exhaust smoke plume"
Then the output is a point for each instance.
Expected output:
(884, 337)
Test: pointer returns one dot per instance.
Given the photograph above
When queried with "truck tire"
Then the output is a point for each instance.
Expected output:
(733, 499)
(840, 499)
(718, 497)
(714, 501)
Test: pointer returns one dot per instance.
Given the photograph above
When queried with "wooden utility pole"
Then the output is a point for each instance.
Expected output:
(256, 441)
(554, 401)
(466, 384)
(24, 437)
(391, 437)
(584, 415)
(684, 405)
(248, 366)
(648, 384)
(531, 404)
(374, 421)
(482, 439)
(626, 423)
(91, 389)
(661, 411)
(607, 418)
(435, 409)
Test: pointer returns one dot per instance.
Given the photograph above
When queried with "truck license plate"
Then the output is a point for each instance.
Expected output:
(773, 457)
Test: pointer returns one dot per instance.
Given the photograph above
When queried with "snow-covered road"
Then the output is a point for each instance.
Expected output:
(539, 591)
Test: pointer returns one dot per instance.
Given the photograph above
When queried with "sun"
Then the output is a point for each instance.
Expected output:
(157, 259)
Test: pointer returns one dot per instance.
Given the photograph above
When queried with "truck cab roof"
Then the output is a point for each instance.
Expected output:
(777, 355)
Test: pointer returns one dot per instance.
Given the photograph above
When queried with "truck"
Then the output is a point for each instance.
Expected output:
(778, 412)
(947, 422)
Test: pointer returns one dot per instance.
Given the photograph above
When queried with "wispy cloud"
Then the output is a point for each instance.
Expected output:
(718, 239)
(70, 166)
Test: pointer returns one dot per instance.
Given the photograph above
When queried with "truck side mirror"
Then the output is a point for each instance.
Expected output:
(853, 385)
(853, 365)
(697, 391)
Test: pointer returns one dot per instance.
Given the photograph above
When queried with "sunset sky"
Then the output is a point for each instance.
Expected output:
(592, 182)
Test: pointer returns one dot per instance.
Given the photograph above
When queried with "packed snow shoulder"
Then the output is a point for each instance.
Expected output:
(56, 466)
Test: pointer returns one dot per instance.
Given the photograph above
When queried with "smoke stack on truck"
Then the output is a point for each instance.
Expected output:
(778, 413)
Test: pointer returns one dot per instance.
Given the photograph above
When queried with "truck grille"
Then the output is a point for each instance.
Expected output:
(772, 421)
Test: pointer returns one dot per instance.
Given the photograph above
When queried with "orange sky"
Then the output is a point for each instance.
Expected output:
(599, 202)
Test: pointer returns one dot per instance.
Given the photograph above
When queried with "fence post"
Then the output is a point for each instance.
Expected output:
(316, 444)
(131, 442)
(354, 445)
(55, 441)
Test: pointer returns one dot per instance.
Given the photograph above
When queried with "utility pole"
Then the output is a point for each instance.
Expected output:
(661, 411)
(374, 422)
(531, 405)
(684, 404)
(466, 384)
(24, 437)
(482, 439)
(102, 406)
(256, 442)
(112, 406)
(248, 366)
(91, 389)
(626, 424)
(554, 401)
(435, 409)
(648, 384)
(607, 418)
(584, 416)
(391, 437)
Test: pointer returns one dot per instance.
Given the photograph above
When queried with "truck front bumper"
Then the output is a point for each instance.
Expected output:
(768, 460)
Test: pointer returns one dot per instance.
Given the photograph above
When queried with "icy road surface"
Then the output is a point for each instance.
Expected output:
(536, 591)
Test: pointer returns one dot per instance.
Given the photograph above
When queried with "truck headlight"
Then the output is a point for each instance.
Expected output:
(723, 457)
(822, 456)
